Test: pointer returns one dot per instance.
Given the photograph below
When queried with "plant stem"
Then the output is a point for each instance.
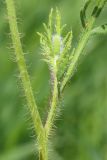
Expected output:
(81, 44)
(44, 131)
(77, 54)
(43, 150)
(25, 78)
(52, 112)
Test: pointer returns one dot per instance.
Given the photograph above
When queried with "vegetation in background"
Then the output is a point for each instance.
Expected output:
(77, 53)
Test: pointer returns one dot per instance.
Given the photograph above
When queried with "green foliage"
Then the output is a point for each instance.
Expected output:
(83, 39)
(55, 47)
(100, 30)
(78, 137)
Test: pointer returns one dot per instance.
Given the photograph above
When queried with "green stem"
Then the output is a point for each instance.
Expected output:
(43, 147)
(25, 77)
(52, 112)
(75, 58)
(81, 44)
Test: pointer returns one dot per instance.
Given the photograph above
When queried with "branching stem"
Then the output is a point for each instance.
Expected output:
(43, 132)
(77, 53)
(82, 43)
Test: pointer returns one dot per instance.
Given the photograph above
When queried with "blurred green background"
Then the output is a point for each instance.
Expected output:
(81, 132)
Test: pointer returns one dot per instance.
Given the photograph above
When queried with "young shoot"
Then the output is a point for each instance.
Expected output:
(62, 58)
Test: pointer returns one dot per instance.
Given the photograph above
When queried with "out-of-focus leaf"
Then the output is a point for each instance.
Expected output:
(18, 153)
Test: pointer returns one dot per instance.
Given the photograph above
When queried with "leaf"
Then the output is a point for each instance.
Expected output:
(18, 153)
(83, 13)
(98, 8)
(58, 22)
(100, 30)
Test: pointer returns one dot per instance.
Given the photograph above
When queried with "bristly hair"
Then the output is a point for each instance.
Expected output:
(54, 45)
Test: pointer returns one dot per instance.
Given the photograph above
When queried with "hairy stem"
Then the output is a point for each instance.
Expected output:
(25, 78)
(77, 54)
(52, 112)
(43, 147)
(82, 43)
(44, 131)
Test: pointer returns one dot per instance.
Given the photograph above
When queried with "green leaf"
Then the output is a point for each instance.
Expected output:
(83, 13)
(18, 153)
(100, 30)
